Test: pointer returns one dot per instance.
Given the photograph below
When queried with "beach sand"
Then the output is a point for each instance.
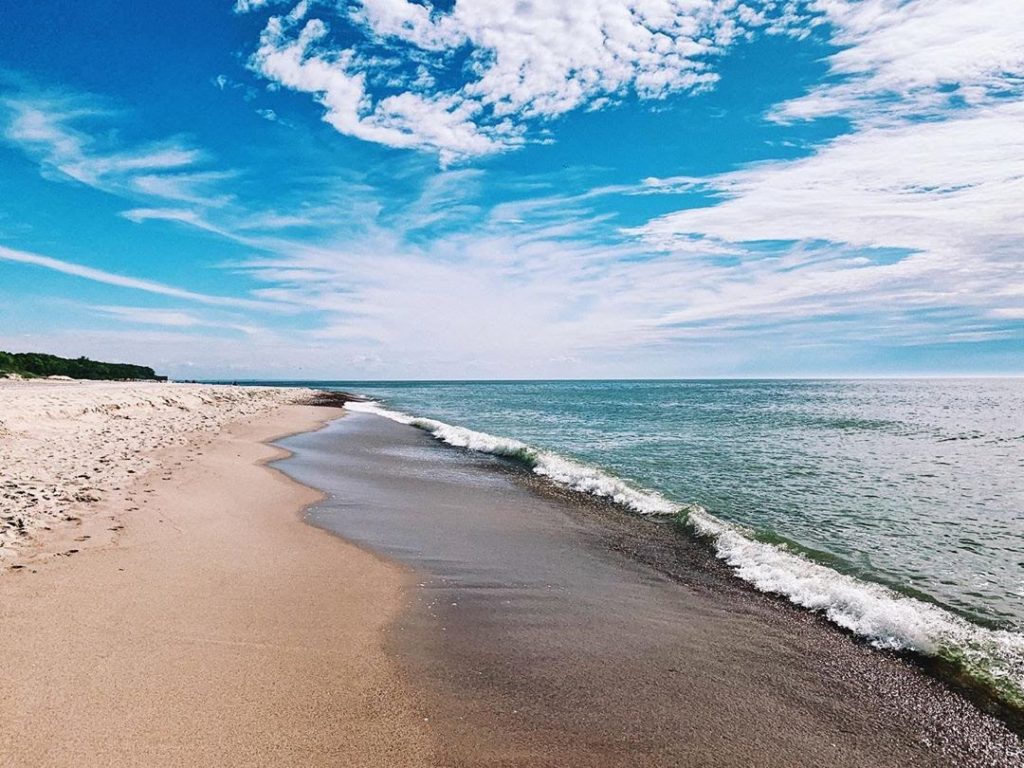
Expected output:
(163, 601)
(68, 448)
(214, 627)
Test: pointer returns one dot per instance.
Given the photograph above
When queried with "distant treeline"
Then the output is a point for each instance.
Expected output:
(37, 364)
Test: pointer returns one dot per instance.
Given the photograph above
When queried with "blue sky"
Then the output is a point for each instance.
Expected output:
(498, 189)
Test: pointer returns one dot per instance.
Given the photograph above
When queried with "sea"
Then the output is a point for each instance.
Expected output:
(895, 508)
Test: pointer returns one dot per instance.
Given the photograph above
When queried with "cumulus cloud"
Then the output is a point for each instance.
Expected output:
(474, 79)
(287, 55)
(506, 63)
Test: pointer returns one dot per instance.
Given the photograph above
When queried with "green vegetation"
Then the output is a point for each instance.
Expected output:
(33, 364)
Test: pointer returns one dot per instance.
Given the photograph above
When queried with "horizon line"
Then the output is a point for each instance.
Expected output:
(851, 377)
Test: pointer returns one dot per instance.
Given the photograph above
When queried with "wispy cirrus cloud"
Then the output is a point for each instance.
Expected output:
(920, 58)
(134, 283)
(916, 207)
(543, 288)
(75, 138)
(173, 318)
(55, 130)
(944, 189)
(190, 217)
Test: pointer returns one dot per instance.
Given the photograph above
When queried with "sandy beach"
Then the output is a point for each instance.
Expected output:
(72, 452)
(213, 627)
(164, 600)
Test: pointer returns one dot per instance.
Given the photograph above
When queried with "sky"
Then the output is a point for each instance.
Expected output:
(483, 189)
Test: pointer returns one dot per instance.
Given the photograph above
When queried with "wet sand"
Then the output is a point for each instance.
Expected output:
(544, 631)
(215, 629)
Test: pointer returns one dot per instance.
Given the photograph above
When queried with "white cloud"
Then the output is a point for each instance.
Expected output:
(173, 318)
(944, 187)
(502, 299)
(183, 216)
(147, 316)
(904, 231)
(544, 59)
(247, 6)
(933, 170)
(899, 57)
(124, 281)
(196, 187)
(49, 129)
(529, 60)
(403, 120)
(70, 137)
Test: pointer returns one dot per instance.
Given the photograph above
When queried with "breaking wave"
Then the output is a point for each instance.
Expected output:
(565, 472)
(885, 618)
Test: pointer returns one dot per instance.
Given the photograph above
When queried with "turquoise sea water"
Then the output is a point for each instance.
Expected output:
(915, 484)
(816, 490)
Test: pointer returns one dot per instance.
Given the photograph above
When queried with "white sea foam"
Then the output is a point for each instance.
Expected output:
(591, 480)
(882, 616)
(565, 472)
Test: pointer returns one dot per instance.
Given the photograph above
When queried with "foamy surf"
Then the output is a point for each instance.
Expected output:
(565, 472)
(882, 616)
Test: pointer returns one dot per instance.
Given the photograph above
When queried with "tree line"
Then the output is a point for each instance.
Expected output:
(32, 364)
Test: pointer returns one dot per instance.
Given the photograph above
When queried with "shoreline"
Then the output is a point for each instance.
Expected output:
(540, 637)
(215, 628)
(981, 663)
(674, 550)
